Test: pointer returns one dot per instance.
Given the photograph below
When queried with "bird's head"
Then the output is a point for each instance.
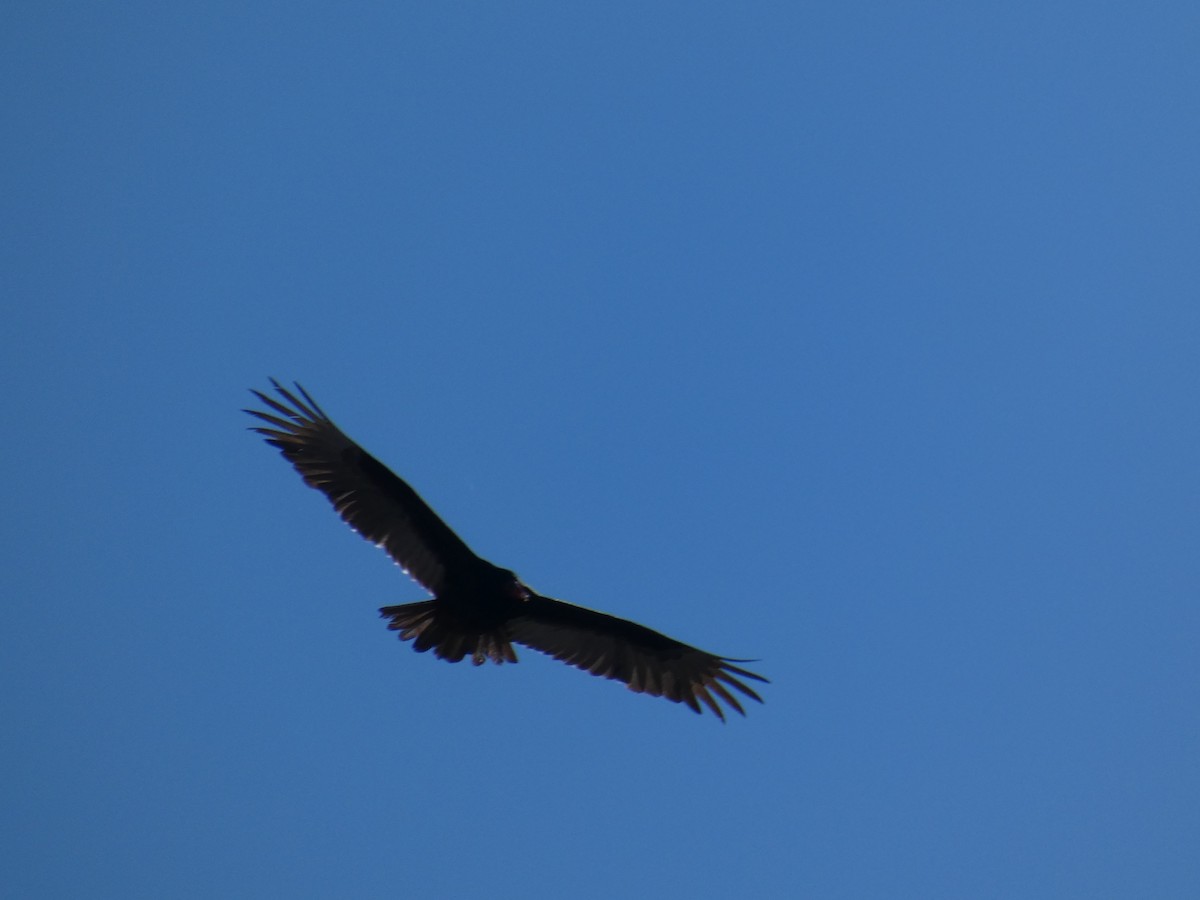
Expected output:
(517, 590)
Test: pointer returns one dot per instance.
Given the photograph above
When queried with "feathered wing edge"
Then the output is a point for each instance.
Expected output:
(368, 496)
(600, 644)
(644, 660)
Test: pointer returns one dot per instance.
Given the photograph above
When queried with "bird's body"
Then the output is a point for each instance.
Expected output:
(478, 609)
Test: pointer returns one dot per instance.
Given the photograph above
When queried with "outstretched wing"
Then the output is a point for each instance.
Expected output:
(645, 660)
(366, 494)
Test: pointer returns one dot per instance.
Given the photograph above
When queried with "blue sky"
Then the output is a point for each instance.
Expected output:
(857, 338)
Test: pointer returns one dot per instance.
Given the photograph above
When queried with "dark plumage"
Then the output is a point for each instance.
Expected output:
(478, 609)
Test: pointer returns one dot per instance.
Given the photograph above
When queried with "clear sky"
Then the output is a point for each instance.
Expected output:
(857, 338)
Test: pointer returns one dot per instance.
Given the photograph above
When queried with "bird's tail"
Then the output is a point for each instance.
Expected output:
(422, 624)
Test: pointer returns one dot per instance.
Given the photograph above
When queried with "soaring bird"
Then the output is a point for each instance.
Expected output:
(480, 610)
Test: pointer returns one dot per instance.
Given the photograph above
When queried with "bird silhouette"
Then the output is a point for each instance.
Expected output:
(480, 610)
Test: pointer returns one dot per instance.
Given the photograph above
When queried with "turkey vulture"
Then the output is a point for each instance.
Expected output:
(478, 609)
